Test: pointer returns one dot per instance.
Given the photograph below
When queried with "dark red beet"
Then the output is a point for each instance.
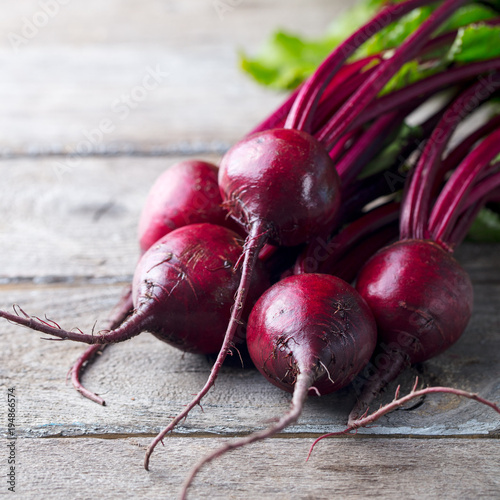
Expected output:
(311, 322)
(308, 330)
(186, 193)
(283, 179)
(420, 296)
(422, 301)
(183, 291)
(187, 281)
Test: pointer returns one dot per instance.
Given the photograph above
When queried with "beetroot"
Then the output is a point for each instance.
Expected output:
(186, 193)
(283, 181)
(420, 295)
(310, 331)
(312, 324)
(183, 291)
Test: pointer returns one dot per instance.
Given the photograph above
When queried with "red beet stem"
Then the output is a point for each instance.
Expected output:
(485, 191)
(456, 155)
(347, 268)
(447, 207)
(384, 72)
(256, 239)
(371, 141)
(341, 244)
(428, 86)
(304, 382)
(331, 101)
(416, 207)
(304, 106)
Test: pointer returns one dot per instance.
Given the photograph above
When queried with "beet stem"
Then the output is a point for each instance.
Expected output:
(352, 163)
(304, 106)
(377, 80)
(304, 382)
(447, 207)
(256, 239)
(117, 316)
(397, 402)
(427, 86)
(416, 207)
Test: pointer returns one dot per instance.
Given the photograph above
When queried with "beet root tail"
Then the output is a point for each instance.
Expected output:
(302, 386)
(117, 317)
(255, 241)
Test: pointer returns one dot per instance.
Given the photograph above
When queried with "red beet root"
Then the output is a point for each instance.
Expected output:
(420, 296)
(284, 180)
(311, 323)
(183, 292)
(309, 330)
(186, 193)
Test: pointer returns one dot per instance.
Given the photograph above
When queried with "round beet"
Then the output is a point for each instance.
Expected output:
(183, 292)
(312, 323)
(283, 179)
(306, 331)
(186, 282)
(420, 295)
(186, 193)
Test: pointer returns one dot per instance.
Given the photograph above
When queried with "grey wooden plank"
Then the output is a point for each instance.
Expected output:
(145, 382)
(72, 73)
(82, 221)
(340, 468)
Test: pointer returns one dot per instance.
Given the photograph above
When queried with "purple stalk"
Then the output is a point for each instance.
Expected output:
(456, 155)
(341, 244)
(347, 268)
(332, 101)
(447, 207)
(416, 207)
(342, 120)
(304, 106)
(429, 86)
(372, 140)
(486, 190)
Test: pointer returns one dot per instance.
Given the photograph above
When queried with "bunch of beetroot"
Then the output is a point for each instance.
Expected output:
(213, 241)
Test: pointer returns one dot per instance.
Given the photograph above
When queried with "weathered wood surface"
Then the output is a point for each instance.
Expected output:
(78, 68)
(339, 468)
(68, 246)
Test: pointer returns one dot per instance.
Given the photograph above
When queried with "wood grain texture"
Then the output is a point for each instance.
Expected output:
(74, 71)
(339, 468)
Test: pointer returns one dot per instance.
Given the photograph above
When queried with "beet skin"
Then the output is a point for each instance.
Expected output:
(311, 321)
(420, 295)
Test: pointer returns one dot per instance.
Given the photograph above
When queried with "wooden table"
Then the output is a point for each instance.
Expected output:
(84, 132)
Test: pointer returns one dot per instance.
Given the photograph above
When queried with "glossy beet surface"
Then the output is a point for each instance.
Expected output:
(186, 193)
(284, 178)
(420, 296)
(186, 282)
(311, 321)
